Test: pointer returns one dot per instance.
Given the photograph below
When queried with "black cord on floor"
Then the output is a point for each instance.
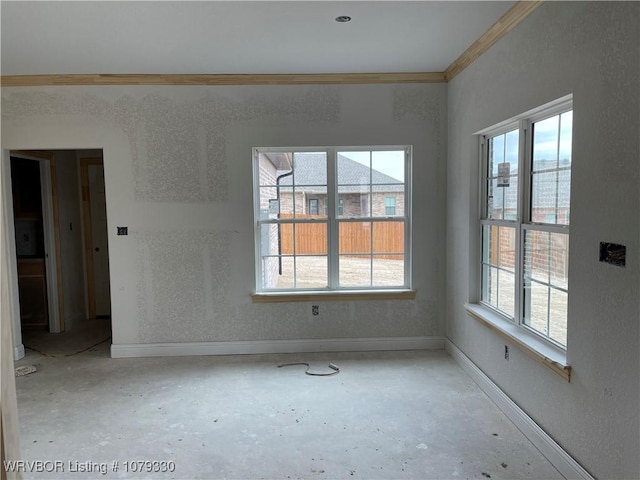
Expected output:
(333, 367)
(67, 354)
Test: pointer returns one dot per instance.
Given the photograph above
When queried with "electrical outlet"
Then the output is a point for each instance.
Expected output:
(315, 310)
(506, 352)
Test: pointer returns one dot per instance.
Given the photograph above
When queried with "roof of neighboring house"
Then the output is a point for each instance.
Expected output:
(354, 177)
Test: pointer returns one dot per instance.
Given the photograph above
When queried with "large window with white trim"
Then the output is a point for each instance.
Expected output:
(323, 218)
(526, 185)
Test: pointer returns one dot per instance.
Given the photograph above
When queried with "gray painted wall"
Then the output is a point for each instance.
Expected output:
(178, 173)
(592, 50)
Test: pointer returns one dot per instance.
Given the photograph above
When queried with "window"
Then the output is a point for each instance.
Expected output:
(350, 244)
(526, 180)
(390, 206)
(313, 206)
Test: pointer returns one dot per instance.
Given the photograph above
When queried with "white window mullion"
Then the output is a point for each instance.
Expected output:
(333, 262)
(407, 217)
(524, 188)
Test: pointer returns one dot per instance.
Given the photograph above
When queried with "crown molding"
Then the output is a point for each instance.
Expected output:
(221, 79)
(504, 25)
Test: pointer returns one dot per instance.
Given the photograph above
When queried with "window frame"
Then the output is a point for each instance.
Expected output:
(333, 221)
(523, 222)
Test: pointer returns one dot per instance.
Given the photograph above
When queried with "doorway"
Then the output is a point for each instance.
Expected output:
(94, 214)
(35, 208)
(72, 225)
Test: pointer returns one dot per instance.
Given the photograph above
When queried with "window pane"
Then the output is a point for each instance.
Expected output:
(536, 255)
(388, 271)
(486, 243)
(490, 285)
(511, 150)
(269, 235)
(559, 260)
(354, 205)
(506, 290)
(269, 204)
(499, 246)
(311, 272)
(496, 154)
(558, 316)
(498, 270)
(311, 238)
(544, 197)
(536, 301)
(545, 271)
(354, 237)
(388, 237)
(355, 270)
(277, 272)
(564, 197)
(310, 169)
(502, 198)
(357, 205)
(566, 131)
(545, 143)
(273, 164)
(354, 169)
(546, 258)
(495, 200)
(506, 248)
(387, 167)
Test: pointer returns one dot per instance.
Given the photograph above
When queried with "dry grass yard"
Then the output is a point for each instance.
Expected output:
(354, 272)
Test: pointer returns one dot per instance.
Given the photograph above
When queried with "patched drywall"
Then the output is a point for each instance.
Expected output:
(178, 173)
(592, 50)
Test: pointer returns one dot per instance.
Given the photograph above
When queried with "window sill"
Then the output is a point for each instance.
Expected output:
(530, 345)
(333, 296)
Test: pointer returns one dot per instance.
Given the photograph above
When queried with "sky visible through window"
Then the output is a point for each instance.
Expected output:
(547, 145)
(390, 163)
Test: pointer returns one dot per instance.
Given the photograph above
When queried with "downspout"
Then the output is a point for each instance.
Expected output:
(293, 200)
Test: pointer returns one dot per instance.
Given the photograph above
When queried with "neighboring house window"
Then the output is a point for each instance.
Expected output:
(313, 206)
(526, 179)
(390, 206)
(349, 246)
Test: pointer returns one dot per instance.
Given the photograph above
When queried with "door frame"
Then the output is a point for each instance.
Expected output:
(88, 235)
(51, 227)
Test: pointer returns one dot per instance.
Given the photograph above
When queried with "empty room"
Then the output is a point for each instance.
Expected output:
(320, 240)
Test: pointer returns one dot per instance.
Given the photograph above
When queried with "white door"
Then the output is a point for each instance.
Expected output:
(100, 251)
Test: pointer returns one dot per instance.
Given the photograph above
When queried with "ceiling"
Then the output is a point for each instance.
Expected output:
(217, 37)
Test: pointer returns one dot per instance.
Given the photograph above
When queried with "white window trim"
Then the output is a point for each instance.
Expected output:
(534, 344)
(334, 291)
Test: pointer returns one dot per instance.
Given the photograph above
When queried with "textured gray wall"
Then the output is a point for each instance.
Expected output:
(178, 173)
(590, 49)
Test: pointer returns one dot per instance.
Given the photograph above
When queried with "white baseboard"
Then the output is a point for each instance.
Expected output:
(18, 352)
(553, 452)
(276, 346)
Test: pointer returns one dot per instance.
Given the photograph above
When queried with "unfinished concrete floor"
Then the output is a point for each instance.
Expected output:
(387, 415)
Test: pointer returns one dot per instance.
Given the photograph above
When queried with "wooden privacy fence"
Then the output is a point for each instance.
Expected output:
(354, 237)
